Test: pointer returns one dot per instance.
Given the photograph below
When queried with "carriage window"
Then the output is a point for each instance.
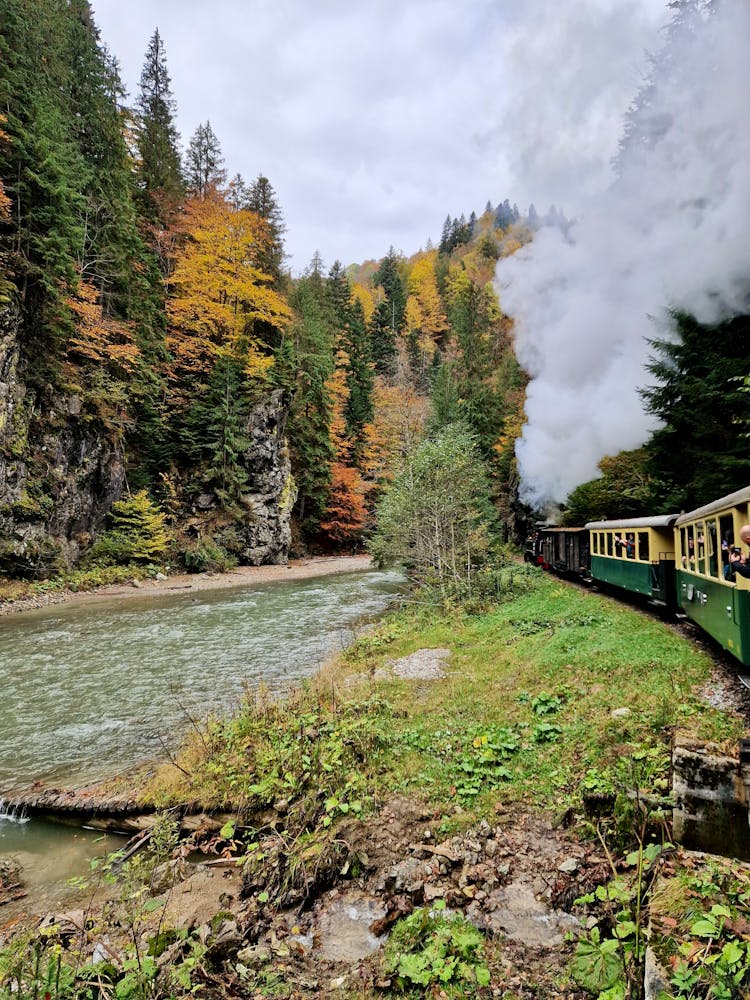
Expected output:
(594, 542)
(601, 543)
(630, 545)
(712, 553)
(643, 546)
(726, 530)
(688, 556)
(700, 541)
(609, 543)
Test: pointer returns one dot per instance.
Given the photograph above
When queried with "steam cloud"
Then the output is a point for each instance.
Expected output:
(672, 231)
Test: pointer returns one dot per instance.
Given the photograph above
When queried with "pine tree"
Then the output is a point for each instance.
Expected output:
(388, 319)
(204, 162)
(699, 454)
(261, 199)
(159, 174)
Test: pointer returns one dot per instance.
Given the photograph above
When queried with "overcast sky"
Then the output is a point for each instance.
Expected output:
(374, 121)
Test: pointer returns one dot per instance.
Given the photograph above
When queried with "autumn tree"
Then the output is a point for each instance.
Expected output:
(219, 292)
(346, 512)
(425, 321)
(219, 296)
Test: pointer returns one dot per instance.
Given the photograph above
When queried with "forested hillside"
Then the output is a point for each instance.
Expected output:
(157, 354)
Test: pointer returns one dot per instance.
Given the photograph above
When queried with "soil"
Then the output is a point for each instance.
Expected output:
(243, 576)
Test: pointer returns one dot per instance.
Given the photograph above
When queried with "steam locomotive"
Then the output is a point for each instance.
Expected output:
(679, 562)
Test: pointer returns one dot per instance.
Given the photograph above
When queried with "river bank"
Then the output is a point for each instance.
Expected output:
(242, 576)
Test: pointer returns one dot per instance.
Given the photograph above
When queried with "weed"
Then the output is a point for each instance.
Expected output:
(429, 948)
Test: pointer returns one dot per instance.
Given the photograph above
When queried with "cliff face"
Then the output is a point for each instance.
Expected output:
(61, 471)
(260, 531)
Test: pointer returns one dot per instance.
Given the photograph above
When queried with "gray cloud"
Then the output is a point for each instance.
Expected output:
(375, 121)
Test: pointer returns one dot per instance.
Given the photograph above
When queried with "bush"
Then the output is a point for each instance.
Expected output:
(138, 533)
(206, 556)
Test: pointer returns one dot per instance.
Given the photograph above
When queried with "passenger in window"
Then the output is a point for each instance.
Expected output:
(619, 545)
(739, 563)
(630, 546)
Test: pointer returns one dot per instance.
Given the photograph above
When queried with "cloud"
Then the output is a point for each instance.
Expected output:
(374, 121)
(671, 232)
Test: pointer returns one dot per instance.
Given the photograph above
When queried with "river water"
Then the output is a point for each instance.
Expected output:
(89, 690)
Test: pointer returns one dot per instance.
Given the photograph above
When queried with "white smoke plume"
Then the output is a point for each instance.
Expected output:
(673, 231)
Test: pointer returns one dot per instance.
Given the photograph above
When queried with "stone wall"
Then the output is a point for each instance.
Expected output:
(710, 799)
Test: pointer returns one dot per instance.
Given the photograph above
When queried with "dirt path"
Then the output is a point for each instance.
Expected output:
(243, 576)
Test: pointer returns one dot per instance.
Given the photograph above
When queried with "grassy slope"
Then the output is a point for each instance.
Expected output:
(523, 715)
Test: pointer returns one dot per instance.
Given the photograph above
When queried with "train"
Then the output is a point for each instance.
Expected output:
(681, 563)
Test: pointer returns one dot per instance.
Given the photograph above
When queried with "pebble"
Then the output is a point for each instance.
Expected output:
(568, 866)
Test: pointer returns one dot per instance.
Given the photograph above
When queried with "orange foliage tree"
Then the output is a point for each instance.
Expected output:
(101, 355)
(346, 513)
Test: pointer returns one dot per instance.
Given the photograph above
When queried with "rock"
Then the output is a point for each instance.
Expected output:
(516, 912)
(205, 501)
(619, 713)
(568, 867)
(343, 928)
(655, 978)
(162, 576)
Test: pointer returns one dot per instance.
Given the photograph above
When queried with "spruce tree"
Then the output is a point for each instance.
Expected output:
(310, 417)
(352, 338)
(388, 319)
(261, 199)
(159, 173)
(699, 454)
(204, 162)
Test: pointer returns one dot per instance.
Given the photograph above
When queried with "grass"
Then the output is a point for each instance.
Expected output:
(74, 580)
(524, 714)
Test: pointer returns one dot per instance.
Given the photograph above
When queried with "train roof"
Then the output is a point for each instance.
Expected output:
(661, 521)
(731, 500)
(558, 528)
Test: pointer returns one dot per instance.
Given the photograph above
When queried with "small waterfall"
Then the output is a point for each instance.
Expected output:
(12, 812)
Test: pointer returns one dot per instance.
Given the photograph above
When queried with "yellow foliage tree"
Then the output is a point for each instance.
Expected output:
(366, 299)
(425, 316)
(218, 291)
(396, 428)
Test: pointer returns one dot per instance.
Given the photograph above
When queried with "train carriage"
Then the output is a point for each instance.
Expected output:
(635, 554)
(708, 592)
(565, 550)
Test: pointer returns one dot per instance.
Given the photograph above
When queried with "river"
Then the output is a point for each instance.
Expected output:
(90, 690)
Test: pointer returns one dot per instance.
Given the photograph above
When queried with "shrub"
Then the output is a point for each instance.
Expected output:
(138, 533)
